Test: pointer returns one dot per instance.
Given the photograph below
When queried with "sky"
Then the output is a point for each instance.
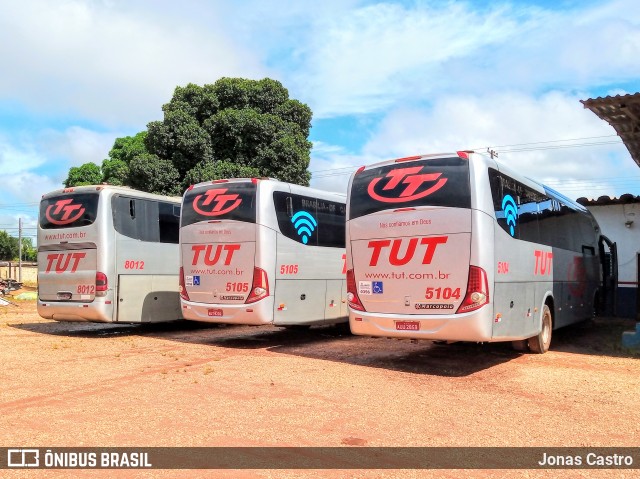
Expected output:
(384, 79)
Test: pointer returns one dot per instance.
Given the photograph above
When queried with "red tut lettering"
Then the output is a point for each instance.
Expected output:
(398, 259)
(63, 260)
(544, 262)
(208, 250)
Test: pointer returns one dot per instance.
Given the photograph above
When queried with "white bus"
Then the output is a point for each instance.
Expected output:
(108, 254)
(456, 247)
(260, 251)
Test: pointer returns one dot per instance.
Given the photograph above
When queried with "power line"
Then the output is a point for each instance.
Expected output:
(543, 145)
(548, 141)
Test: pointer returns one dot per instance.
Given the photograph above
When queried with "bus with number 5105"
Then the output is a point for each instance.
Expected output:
(261, 251)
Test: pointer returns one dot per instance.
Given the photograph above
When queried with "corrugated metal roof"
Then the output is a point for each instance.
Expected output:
(622, 112)
(608, 200)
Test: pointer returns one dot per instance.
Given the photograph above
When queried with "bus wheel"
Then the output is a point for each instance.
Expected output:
(540, 344)
(520, 345)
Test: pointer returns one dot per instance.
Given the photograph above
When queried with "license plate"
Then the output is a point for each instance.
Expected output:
(64, 295)
(408, 325)
(214, 312)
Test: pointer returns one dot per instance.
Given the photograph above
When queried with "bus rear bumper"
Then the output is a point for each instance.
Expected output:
(67, 311)
(255, 314)
(475, 326)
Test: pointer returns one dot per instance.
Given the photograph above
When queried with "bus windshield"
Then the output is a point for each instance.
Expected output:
(69, 211)
(223, 201)
(430, 182)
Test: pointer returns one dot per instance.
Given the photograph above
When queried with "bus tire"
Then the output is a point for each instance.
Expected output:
(540, 344)
(520, 345)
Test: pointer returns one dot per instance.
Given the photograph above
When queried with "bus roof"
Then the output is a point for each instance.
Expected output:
(112, 188)
(489, 162)
(307, 189)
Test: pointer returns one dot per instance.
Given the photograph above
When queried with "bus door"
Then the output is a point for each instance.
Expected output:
(410, 237)
(218, 243)
(67, 255)
(609, 261)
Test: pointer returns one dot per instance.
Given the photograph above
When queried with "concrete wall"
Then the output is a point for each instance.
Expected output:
(29, 272)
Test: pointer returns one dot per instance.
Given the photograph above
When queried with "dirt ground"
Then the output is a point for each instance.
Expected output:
(186, 384)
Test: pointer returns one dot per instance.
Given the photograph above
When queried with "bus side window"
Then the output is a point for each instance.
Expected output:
(169, 222)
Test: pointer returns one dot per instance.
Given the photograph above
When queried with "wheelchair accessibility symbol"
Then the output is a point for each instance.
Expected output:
(376, 287)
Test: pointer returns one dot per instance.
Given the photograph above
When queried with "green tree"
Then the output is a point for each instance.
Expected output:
(29, 252)
(87, 174)
(234, 127)
(235, 121)
(8, 246)
(115, 169)
(149, 173)
(208, 170)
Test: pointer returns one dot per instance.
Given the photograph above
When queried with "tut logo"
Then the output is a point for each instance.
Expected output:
(64, 212)
(215, 202)
(405, 184)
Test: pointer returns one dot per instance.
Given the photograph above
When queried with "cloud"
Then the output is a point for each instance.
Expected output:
(27, 189)
(364, 61)
(77, 145)
(18, 158)
(114, 62)
(331, 166)
(548, 138)
(373, 57)
(38, 162)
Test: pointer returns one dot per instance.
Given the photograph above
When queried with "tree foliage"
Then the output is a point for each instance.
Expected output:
(232, 128)
(8, 246)
(29, 252)
(87, 174)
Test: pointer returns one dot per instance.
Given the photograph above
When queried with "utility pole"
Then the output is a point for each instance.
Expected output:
(19, 250)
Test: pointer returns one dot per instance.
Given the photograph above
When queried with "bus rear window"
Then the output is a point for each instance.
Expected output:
(68, 211)
(223, 201)
(432, 182)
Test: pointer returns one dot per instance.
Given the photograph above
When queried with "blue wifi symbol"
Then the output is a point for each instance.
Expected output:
(510, 212)
(304, 224)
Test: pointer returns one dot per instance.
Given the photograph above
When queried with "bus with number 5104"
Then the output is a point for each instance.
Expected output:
(458, 247)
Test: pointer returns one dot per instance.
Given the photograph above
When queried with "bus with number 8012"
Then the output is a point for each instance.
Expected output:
(108, 254)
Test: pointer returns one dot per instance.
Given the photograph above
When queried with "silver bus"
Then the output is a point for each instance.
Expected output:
(260, 251)
(457, 247)
(108, 254)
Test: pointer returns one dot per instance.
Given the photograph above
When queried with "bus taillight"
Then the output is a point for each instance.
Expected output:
(352, 292)
(181, 287)
(260, 286)
(102, 284)
(477, 291)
